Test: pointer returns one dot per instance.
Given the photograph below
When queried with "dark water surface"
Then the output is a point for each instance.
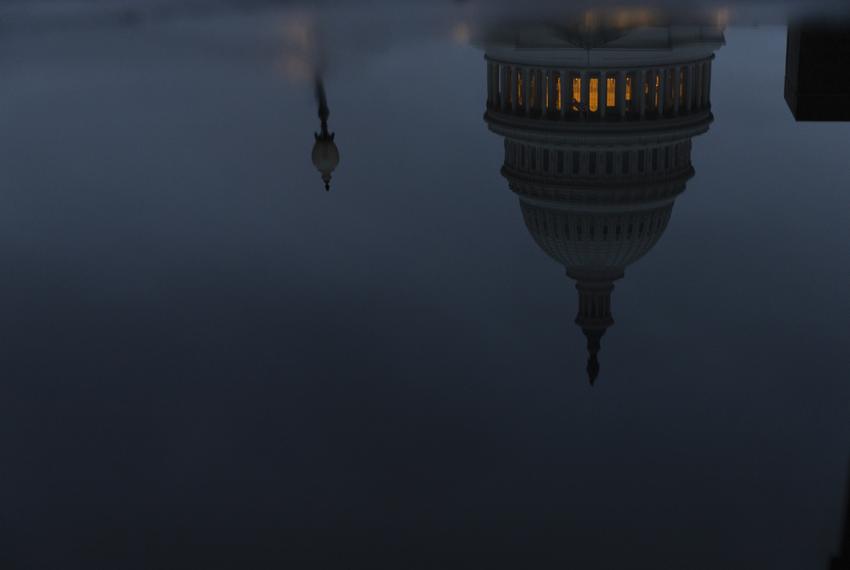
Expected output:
(208, 361)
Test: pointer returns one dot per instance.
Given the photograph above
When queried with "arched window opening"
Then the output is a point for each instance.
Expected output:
(520, 89)
(576, 93)
(657, 99)
(593, 103)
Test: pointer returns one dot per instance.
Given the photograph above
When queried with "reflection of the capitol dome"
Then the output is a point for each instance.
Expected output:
(325, 155)
(598, 122)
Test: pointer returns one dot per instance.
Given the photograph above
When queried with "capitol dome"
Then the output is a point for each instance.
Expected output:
(594, 240)
(597, 130)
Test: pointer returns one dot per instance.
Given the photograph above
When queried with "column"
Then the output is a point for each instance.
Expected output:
(551, 92)
(654, 95)
(621, 93)
(638, 93)
(526, 90)
(497, 76)
(513, 79)
(538, 91)
(542, 86)
(503, 86)
(698, 87)
(708, 84)
(676, 87)
(689, 89)
(566, 90)
(603, 93)
(585, 95)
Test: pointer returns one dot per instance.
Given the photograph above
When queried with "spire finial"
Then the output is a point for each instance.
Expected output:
(594, 315)
(594, 344)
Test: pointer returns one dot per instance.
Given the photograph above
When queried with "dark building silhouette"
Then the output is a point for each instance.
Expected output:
(598, 119)
(817, 71)
(842, 560)
(325, 153)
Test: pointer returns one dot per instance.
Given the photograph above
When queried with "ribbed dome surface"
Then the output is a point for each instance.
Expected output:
(597, 241)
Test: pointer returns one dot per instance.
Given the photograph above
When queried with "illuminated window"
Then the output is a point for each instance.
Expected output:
(594, 94)
(548, 88)
(576, 92)
(628, 88)
(657, 89)
(558, 95)
(611, 92)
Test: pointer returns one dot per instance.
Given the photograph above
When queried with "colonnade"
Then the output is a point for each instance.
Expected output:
(600, 163)
(607, 94)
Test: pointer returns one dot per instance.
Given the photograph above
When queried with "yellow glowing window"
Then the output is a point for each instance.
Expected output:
(611, 92)
(657, 89)
(628, 88)
(577, 89)
(594, 94)
(558, 96)
(519, 90)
